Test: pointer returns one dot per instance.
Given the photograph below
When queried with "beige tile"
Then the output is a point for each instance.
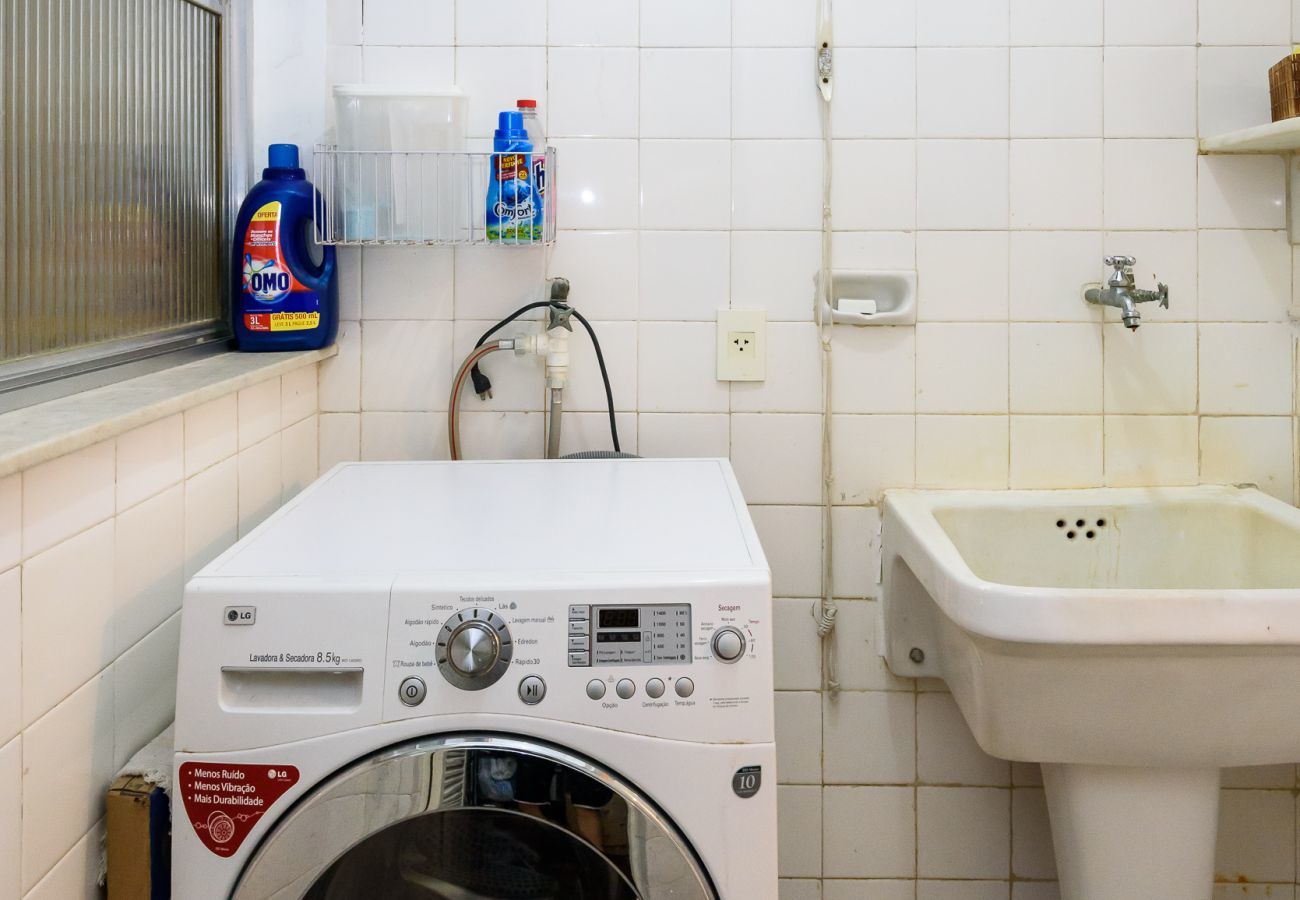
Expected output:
(947, 752)
(387, 436)
(677, 368)
(1056, 451)
(1151, 370)
(11, 817)
(872, 454)
(857, 650)
(144, 701)
(799, 889)
(405, 366)
(11, 658)
(797, 656)
(340, 439)
(856, 560)
(1055, 368)
(875, 889)
(1245, 276)
(777, 457)
(962, 276)
(799, 852)
(11, 521)
(340, 376)
(1047, 268)
(1025, 774)
(67, 618)
(502, 435)
(259, 412)
(793, 382)
(299, 460)
(791, 538)
(298, 395)
(874, 370)
(211, 433)
(1279, 776)
(67, 767)
(211, 514)
(1032, 853)
(885, 848)
(410, 282)
(1252, 892)
(1246, 369)
(1257, 836)
(869, 737)
(590, 431)
(962, 890)
(76, 875)
(1249, 450)
(586, 390)
(961, 368)
(149, 570)
(1150, 450)
(963, 832)
(149, 459)
(259, 482)
(962, 451)
(798, 737)
(1036, 890)
(67, 495)
(686, 435)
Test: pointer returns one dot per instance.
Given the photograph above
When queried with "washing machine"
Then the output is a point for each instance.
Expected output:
(513, 680)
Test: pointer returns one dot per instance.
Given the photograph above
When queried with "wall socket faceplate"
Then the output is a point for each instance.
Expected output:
(742, 344)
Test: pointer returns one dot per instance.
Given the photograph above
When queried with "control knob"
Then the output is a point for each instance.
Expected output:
(474, 649)
(728, 644)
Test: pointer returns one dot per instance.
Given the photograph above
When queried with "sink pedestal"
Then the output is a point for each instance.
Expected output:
(1124, 833)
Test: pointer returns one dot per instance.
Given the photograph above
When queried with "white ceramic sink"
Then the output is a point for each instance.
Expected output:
(1132, 641)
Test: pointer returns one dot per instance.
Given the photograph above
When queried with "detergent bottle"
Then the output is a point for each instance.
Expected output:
(513, 206)
(284, 298)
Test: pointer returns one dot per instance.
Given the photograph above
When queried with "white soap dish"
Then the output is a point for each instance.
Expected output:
(873, 298)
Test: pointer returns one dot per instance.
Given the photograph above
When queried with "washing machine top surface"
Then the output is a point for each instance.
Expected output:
(377, 520)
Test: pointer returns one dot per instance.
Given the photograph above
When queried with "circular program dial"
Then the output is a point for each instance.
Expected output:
(474, 649)
(728, 644)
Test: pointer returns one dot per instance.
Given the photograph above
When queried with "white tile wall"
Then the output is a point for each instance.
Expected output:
(94, 550)
(1000, 148)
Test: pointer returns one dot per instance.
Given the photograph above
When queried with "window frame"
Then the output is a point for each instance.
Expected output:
(24, 382)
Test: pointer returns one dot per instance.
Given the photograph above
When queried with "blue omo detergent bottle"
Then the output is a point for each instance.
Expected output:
(283, 298)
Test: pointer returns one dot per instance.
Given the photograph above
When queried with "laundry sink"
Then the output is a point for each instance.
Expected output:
(1133, 641)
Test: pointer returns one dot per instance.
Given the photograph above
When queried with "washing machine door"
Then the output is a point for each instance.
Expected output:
(475, 817)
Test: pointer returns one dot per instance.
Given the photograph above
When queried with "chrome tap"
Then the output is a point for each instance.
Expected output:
(1120, 293)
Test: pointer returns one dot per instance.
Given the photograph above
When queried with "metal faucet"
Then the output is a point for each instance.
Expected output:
(1120, 293)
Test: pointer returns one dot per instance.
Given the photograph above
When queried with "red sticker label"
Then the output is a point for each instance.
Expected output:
(224, 802)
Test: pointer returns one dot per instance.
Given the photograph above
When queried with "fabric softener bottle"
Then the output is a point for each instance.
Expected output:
(284, 299)
(513, 207)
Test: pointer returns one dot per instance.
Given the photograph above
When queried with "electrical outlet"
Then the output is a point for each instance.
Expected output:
(742, 345)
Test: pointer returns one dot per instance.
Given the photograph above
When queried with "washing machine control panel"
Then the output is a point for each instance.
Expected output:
(683, 662)
(630, 635)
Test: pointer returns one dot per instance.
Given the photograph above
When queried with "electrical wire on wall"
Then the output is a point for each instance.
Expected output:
(826, 607)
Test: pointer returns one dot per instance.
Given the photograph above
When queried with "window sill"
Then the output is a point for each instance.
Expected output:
(43, 432)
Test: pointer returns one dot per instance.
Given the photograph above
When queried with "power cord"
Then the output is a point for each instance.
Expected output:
(483, 384)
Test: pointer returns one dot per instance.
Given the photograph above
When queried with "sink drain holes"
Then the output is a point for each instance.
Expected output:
(1080, 527)
(1070, 535)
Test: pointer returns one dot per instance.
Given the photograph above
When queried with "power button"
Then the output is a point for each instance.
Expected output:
(411, 691)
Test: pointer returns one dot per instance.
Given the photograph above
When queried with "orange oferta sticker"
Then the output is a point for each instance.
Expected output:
(223, 802)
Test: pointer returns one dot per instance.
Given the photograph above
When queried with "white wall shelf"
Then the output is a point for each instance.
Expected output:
(1278, 138)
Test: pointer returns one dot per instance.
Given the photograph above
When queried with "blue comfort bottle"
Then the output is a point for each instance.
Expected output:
(513, 209)
(283, 298)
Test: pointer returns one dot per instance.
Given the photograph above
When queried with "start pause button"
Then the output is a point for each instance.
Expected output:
(531, 690)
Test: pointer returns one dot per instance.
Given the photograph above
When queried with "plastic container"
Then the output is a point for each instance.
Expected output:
(383, 195)
(284, 298)
(514, 213)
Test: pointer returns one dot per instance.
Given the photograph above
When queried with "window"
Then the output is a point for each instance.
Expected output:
(114, 175)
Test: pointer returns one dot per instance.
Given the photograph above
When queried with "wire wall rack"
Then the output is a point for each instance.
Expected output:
(433, 197)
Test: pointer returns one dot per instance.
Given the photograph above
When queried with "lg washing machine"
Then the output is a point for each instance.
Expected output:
(483, 681)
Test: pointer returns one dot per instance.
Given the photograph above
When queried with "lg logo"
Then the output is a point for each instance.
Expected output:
(240, 615)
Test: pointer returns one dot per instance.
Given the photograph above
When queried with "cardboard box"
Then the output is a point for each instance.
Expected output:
(139, 840)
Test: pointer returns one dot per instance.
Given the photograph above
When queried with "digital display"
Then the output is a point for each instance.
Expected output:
(620, 617)
(618, 637)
